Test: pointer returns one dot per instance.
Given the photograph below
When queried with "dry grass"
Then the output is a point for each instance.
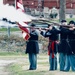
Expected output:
(42, 69)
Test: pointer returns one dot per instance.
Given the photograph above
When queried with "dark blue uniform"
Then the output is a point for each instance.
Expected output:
(52, 47)
(70, 54)
(63, 47)
(63, 40)
(32, 44)
(33, 49)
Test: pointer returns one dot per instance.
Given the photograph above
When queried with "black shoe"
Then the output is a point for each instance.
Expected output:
(61, 70)
(51, 70)
(65, 70)
(32, 69)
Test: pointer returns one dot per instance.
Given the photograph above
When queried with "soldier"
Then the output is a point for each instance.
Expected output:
(70, 55)
(33, 48)
(51, 32)
(62, 45)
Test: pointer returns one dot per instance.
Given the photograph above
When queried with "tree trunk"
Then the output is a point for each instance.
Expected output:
(62, 10)
(42, 4)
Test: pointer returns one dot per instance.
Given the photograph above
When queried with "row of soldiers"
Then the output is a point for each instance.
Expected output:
(65, 47)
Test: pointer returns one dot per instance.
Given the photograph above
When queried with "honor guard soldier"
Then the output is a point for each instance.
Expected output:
(32, 47)
(52, 33)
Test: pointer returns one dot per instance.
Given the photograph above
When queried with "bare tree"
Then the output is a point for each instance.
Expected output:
(42, 4)
(62, 10)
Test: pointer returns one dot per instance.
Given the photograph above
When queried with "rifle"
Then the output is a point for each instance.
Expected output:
(67, 26)
(36, 27)
(46, 21)
(30, 27)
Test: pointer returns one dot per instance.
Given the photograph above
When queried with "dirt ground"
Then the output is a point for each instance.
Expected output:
(41, 68)
(3, 64)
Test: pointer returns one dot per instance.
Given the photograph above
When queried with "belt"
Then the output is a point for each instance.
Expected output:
(33, 41)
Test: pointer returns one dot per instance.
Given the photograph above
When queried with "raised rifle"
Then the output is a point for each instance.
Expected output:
(30, 27)
(45, 21)
(67, 26)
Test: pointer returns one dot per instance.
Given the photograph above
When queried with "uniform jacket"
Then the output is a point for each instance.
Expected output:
(32, 44)
(63, 45)
(71, 42)
(53, 37)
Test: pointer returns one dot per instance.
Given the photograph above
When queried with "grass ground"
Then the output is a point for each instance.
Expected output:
(20, 67)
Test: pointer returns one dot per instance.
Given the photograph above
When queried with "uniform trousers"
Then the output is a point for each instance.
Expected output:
(62, 58)
(70, 62)
(53, 62)
(33, 61)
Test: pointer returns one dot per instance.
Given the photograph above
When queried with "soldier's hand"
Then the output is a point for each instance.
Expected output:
(46, 29)
(71, 28)
(39, 29)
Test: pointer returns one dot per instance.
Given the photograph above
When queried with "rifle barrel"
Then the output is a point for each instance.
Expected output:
(56, 24)
(35, 27)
